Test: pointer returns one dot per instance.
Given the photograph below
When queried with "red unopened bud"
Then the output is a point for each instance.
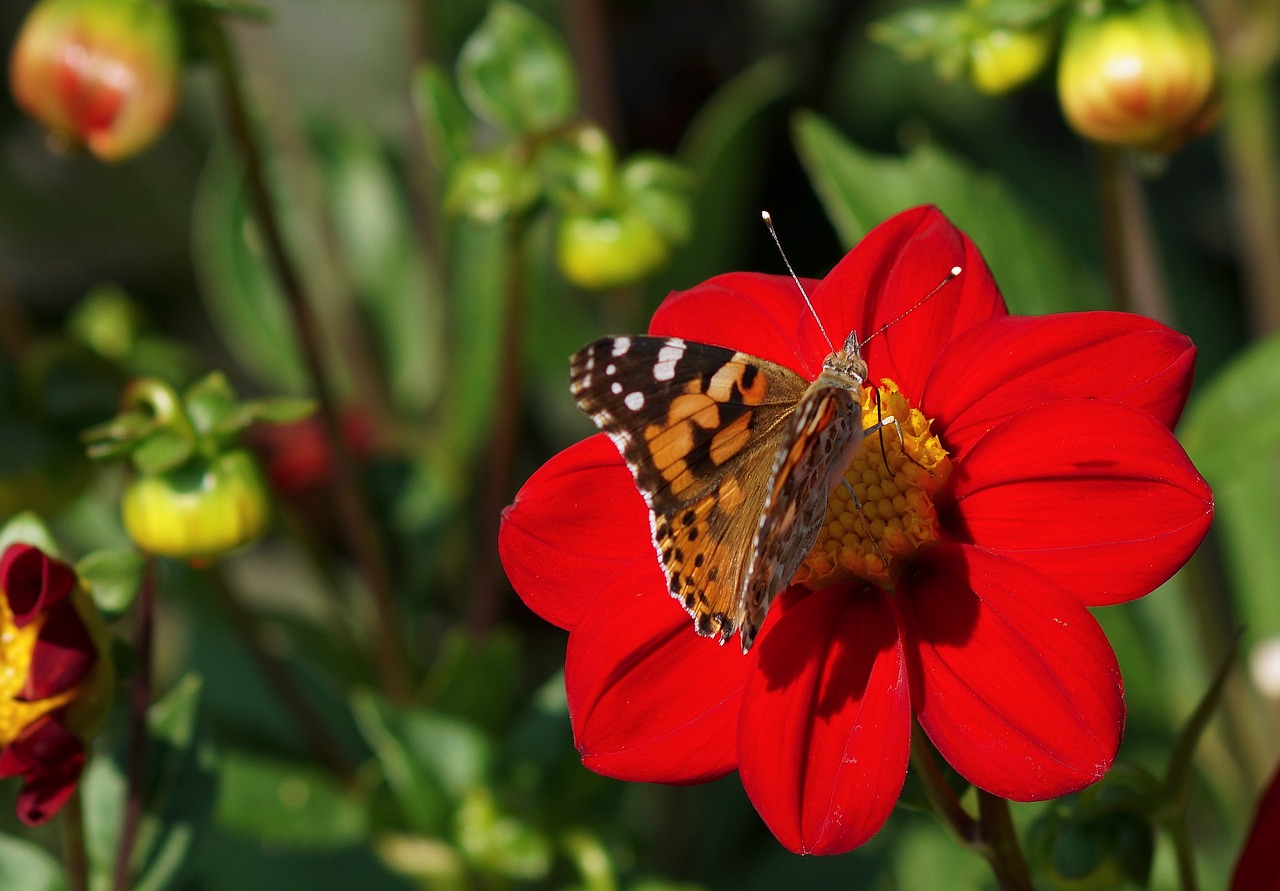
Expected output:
(104, 73)
(1138, 74)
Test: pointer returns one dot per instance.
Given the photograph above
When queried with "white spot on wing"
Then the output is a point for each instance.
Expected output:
(635, 401)
(610, 368)
(616, 388)
(668, 356)
(621, 345)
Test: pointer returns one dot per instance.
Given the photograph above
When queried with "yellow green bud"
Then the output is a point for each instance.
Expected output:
(1141, 75)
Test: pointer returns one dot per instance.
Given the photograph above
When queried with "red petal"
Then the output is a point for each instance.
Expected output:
(1015, 684)
(578, 522)
(649, 699)
(996, 369)
(33, 581)
(824, 736)
(51, 758)
(1098, 496)
(758, 314)
(63, 654)
(887, 274)
(1259, 864)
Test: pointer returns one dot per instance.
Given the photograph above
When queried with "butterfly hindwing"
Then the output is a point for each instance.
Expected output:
(820, 438)
(694, 423)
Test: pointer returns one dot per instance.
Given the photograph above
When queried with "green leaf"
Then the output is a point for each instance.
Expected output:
(399, 294)
(515, 71)
(860, 189)
(1231, 431)
(662, 190)
(113, 577)
(1178, 778)
(162, 451)
(498, 843)
(28, 867)
(1235, 417)
(476, 680)
(179, 798)
(268, 411)
(479, 272)
(446, 125)
(238, 288)
(429, 761)
(579, 170)
(118, 435)
(920, 31)
(27, 528)
(208, 401)
(288, 804)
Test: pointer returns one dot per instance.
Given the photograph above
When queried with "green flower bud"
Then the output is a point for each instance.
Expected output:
(1002, 58)
(1141, 75)
(490, 187)
(607, 250)
(104, 73)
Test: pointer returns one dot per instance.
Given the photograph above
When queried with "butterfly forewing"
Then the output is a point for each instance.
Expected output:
(694, 423)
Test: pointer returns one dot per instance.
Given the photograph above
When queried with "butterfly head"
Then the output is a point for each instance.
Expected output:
(847, 362)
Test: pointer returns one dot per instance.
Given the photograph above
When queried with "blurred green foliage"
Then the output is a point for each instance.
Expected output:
(405, 141)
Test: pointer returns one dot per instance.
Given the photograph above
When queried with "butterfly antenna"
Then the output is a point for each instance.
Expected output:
(955, 271)
(768, 221)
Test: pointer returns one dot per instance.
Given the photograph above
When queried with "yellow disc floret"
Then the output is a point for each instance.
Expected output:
(895, 480)
(16, 647)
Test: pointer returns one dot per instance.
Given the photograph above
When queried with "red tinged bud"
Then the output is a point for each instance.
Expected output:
(1141, 75)
(104, 73)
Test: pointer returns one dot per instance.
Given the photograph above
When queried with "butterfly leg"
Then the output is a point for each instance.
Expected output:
(857, 502)
(878, 427)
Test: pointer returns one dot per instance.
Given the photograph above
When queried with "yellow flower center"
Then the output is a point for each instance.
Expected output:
(16, 647)
(895, 480)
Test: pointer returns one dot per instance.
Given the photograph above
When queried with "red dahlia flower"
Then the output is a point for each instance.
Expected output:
(54, 686)
(1042, 480)
(1259, 864)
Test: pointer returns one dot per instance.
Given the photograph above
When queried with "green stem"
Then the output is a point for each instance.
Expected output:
(139, 703)
(991, 836)
(73, 848)
(353, 508)
(487, 600)
(1001, 839)
(1132, 258)
(944, 802)
(1251, 148)
(1184, 853)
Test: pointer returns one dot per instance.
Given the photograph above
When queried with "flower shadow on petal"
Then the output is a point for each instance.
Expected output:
(825, 729)
(1013, 679)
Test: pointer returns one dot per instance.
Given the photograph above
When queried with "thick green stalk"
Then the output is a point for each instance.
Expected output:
(992, 835)
(139, 703)
(1251, 152)
(1132, 258)
(486, 603)
(74, 856)
(357, 519)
